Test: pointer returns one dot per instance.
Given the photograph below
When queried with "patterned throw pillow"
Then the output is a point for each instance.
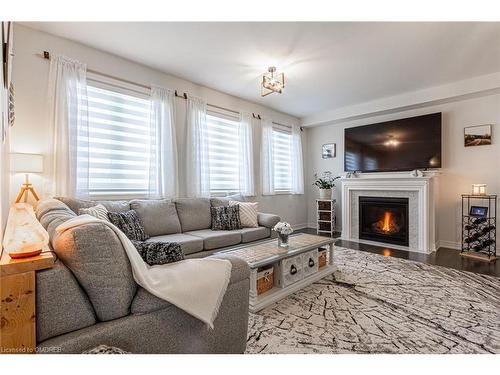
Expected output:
(248, 213)
(98, 211)
(156, 253)
(130, 224)
(104, 349)
(225, 218)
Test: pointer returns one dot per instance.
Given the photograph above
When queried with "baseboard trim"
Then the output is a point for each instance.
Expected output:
(315, 226)
(448, 244)
(453, 245)
(300, 226)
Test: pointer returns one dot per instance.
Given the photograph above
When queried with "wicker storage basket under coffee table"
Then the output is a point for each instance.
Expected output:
(292, 269)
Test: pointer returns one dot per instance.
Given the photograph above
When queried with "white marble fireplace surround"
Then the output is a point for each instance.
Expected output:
(421, 202)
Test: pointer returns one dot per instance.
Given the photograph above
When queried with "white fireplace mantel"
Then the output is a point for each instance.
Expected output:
(398, 184)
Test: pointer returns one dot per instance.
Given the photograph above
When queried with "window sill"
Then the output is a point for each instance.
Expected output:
(281, 193)
(123, 197)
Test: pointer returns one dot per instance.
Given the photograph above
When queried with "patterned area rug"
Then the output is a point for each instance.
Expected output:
(377, 304)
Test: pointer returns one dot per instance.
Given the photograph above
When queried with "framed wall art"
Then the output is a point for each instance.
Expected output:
(329, 151)
(479, 135)
(7, 41)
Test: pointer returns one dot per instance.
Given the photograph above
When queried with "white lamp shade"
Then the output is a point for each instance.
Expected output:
(26, 163)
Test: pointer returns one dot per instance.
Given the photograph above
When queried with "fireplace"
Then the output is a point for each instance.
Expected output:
(384, 219)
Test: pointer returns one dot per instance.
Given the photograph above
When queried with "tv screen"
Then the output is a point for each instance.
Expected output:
(398, 145)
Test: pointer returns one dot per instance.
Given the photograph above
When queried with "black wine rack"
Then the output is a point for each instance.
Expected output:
(478, 232)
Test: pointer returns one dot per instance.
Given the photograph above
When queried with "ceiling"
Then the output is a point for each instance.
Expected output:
(327, 65)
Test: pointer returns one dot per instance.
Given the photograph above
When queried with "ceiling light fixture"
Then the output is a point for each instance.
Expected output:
(272, 82)
(391, 142)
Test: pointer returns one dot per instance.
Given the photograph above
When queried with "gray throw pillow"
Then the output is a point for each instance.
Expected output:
(130, 224)
(156, 253)
(225, 217)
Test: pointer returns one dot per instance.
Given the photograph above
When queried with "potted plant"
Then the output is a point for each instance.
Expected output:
(284, 230)
(325, 183)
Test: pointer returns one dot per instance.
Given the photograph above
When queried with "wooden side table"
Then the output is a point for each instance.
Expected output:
(17, 301)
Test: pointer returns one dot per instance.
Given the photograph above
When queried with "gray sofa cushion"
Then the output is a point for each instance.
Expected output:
(218, 202)
(254, 234)
(267, 220)
(96, 257)
(50, 205)
(51, 213)
(145, 302)
(112, 206)
(159, 216)
(213, 239)
(194, 213)
(189, 244)
(61, 305)
(224, 201)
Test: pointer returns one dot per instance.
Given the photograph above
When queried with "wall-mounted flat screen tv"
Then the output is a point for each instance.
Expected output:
(398, 145)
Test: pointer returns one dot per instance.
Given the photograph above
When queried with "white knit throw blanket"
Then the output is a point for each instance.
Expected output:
(196, 286)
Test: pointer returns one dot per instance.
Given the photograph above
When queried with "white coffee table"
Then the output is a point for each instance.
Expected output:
(268, 252)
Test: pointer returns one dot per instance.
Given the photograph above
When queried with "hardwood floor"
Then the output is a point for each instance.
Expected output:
(442, 257)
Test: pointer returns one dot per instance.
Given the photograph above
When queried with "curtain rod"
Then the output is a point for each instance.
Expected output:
(46, 55)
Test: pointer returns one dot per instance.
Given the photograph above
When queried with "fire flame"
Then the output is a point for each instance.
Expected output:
(388, 224)
(387, 221)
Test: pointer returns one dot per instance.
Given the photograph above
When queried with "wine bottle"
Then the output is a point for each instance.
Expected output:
(472, 238)
(487, 229)
(488, 242)
(479, 220)
(477, 247)
(470, 226)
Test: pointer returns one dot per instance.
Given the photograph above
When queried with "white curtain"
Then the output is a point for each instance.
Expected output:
(163, 176)
(197, 167)
(266, 157)
(68, 172)
(246, 170)
(297, 162)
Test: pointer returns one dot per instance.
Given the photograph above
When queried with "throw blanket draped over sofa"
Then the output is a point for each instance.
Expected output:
(199, 296)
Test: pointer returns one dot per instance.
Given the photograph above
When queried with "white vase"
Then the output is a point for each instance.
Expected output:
(325, 193)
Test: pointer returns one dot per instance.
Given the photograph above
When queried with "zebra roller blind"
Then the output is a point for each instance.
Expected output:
(119, 141)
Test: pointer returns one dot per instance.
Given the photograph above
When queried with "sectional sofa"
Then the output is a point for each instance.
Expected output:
(90, 297)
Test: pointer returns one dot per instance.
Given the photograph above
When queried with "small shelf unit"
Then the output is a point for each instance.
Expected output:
(325, 216)
(479, 232)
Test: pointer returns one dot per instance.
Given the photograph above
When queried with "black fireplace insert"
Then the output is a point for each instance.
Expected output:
(384, 219)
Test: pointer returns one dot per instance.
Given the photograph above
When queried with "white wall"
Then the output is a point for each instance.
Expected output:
(461, 166)
(30, 133)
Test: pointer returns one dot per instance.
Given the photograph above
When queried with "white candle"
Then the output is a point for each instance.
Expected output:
(478, 189)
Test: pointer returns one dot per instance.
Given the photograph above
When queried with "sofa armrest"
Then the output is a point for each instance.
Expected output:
(240, 269)
(61, 304)
(267, 220)
(95, 255)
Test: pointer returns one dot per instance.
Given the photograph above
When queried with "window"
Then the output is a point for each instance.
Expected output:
(119, 141)
(370, 163)
(223, 154)
(282, 156)
(351, 161)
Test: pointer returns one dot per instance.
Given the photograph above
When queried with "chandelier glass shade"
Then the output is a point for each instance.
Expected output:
(272, 82)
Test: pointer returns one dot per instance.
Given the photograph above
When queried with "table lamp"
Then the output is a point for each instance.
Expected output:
(26, 163)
